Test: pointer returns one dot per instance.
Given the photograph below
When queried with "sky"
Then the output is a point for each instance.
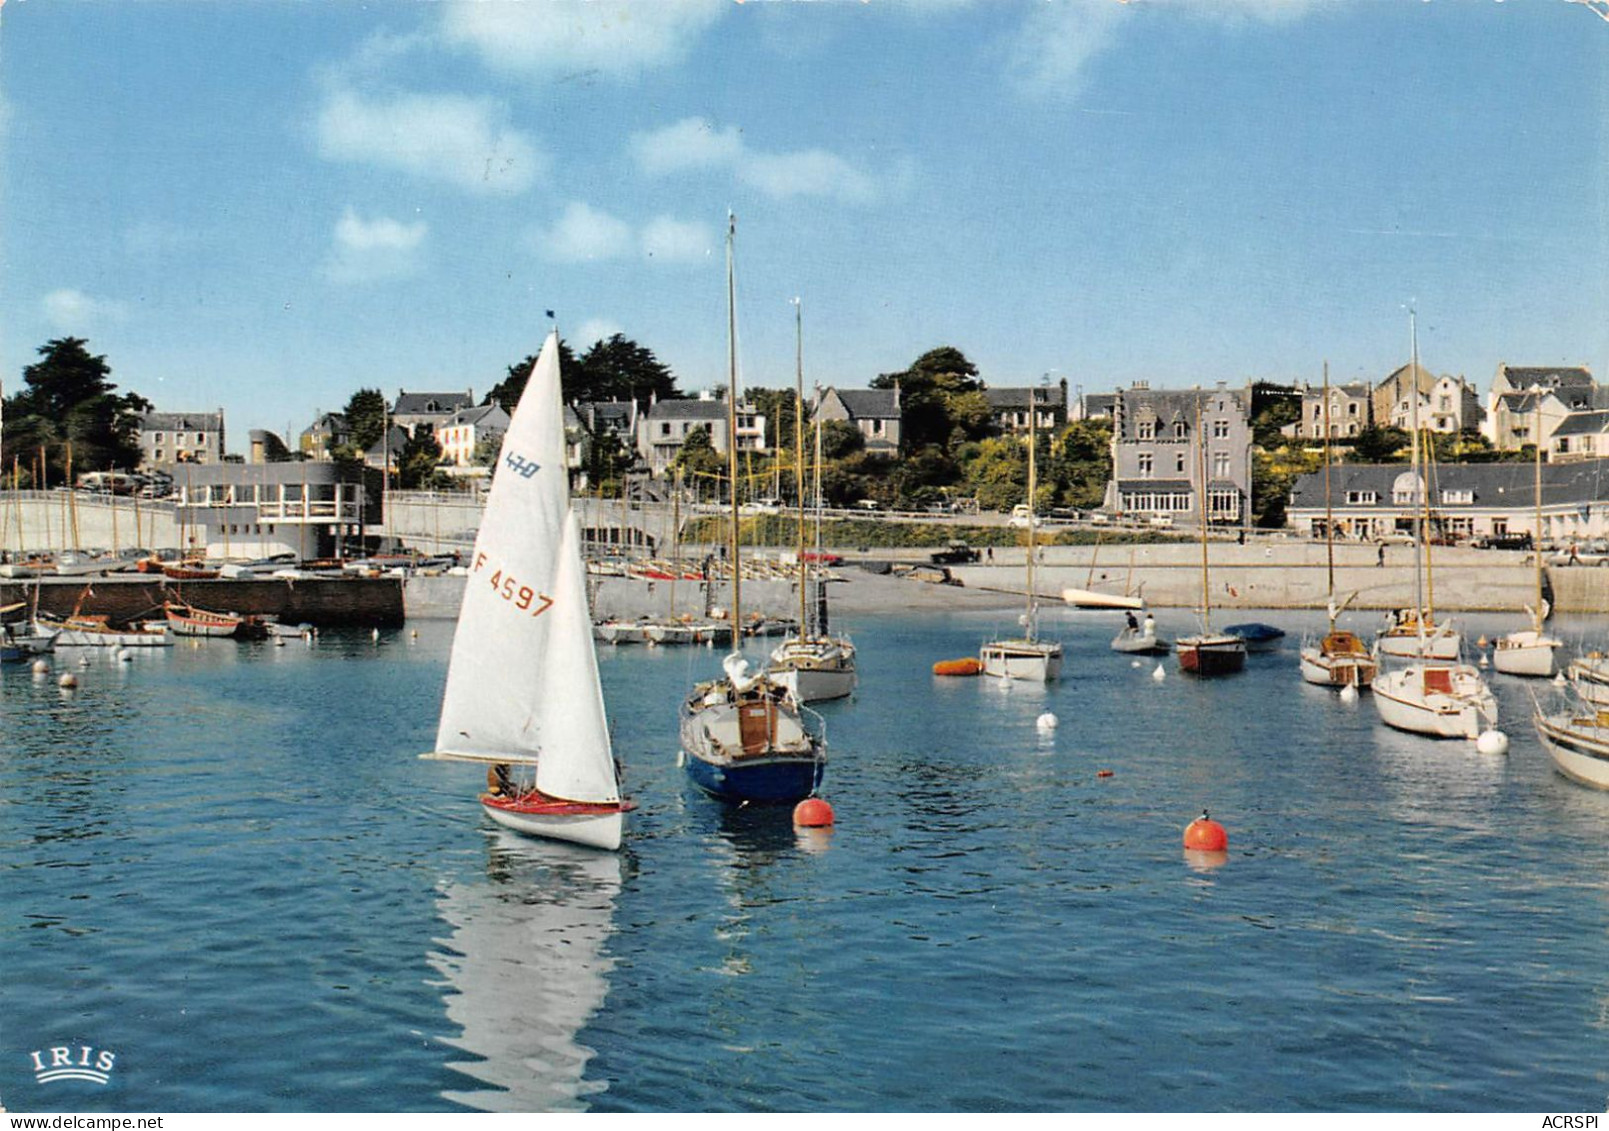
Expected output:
(264, 207)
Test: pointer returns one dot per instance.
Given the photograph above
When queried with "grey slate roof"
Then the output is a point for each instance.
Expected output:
(1507, 485)
(1099, 404)
(1584, 424)
(1050, 396)
(422, 404)
(869, 404)
(1548, 377)
(687, 410)
(477, 414)
(181, 421)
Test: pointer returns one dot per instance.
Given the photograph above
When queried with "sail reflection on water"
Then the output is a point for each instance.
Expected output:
(526, 969)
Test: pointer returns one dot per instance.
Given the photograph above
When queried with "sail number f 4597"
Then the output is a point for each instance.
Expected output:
(508, 587)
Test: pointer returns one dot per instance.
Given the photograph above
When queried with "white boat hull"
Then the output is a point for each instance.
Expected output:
(1407, 700)
(1140, 643)
(1034, 660)
(1443, 644)
(670, 633)
(1578, 755)
(1337, 671)
(1526, 653)
(81, 638)
(611, 632)
(815, 670)
(1090, 599)
(1590, 675)
(595, 830)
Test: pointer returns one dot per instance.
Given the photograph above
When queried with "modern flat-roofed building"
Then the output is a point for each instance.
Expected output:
(249, 511)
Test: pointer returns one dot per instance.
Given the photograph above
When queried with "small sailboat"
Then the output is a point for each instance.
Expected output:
(1435, 696)
(743, 737)
(1339, 658)
(1088, 597)
(523, 695)
(1531, 651)
(1577, 738)
(811, 664)
(187, 620)
(1208, 653)
(23, 640)
(1027, 656)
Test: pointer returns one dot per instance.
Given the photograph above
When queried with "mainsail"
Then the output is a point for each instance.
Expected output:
(522, 684)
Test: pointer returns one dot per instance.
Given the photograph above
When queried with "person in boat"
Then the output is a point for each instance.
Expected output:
(499, 781)
(1134, 625)
(1149, 629)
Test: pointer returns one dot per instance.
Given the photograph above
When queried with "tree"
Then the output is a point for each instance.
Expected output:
(420, 457)
(777, 406)
(1380, 445)
(366, 414)
(933, 411)
(697, 456)
(618, 369)
(1266, 424)
(840, 439)
(69, 398)
(507, 391)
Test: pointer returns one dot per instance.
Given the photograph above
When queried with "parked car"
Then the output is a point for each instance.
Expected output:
(957, 553)
(1019, 517)
(1520, 541)
(824, 557)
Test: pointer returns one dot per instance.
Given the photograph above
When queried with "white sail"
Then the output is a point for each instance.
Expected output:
(522, 684)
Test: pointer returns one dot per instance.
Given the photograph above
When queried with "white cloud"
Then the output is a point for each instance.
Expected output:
(373, 251)
(811, 172)
(1056, 41)
(668, 240)
(73, 310)
(691, 143)
(445, 137)
(595, 330)
(616, 37)
(584, 233)
(694, 144)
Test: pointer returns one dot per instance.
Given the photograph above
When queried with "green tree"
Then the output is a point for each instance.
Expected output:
(697, 458)
(618, 369)
(840, 439)
(932, 412)
(366, 413)
(421, 456)
(507, 391)
(1273, 474)
(778, 408)
(69, 398)
(1380, 445)
(1266, 425)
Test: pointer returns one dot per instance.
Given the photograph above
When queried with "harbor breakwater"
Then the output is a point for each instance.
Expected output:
(328, 602)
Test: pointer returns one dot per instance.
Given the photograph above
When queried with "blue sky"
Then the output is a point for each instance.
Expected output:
(265, 206)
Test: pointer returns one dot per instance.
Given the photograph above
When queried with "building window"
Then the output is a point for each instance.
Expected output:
(1178, 430)
(1220, 465)
(1449, 495)
(1146, 430)
(1220, 429)
(1145, 465)
(1178, 463)
(664, 429)
(156, 438)
(1352, 409)
(1361, 498)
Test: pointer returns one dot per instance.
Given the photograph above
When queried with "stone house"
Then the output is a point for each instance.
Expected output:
(1165, 441)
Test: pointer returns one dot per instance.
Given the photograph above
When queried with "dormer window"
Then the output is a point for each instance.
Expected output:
(1146, 429)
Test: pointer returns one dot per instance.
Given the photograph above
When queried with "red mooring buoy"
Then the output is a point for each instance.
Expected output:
(1206, 835)
(812, 813)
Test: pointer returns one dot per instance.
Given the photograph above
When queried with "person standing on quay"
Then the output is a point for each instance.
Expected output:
(1381, 560)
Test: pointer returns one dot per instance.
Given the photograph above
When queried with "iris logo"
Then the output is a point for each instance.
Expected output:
(64, 1063)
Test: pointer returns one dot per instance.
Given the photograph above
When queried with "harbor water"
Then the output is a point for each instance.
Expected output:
(224, 865)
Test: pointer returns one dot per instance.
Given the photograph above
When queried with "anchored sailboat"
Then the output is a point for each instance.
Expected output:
(1340, 658)
(811, 664)
(1443, 698)
(1208, 653)
(1531, 651)
(1027, 656)
(744, 739)
(523, 695)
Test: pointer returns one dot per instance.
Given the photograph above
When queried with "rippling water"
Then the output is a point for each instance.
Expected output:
(224, 863)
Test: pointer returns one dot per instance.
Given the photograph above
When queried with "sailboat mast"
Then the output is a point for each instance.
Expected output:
(1329, 513)
(1033, 483)
(1201, 501)
(731, 433)
(1536, 539)
(798, 458)
(675, 538)
(1418, 542)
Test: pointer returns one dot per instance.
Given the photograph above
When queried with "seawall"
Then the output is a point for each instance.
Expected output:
(327, 602)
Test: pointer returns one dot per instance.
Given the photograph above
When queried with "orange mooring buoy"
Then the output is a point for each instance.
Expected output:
(968, 665)
(812, 813)
(1205, 835)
